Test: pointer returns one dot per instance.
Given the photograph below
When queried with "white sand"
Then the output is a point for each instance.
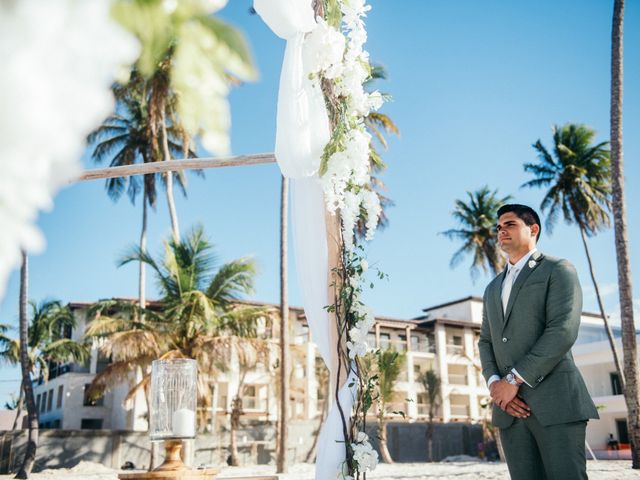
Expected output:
(602, 470)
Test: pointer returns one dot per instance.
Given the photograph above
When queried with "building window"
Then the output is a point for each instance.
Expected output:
(50, 400)
(454, 345)
(422, 403)
(103, 363)
(43, 405)
(59, 401)
(91, 424)
(616, 388)
(89, 402)
(250, 397)
(623, 432)
(385, 341)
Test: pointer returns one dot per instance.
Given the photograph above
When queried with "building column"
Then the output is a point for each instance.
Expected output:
(471, 374)
(93, 361)
(443, 370)
(412, 407)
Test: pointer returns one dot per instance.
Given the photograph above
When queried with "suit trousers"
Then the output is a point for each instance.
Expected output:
(536, 452)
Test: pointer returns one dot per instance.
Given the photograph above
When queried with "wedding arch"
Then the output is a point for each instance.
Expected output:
(323, 148)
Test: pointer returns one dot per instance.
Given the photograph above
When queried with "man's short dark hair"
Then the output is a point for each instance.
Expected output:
(527, 214)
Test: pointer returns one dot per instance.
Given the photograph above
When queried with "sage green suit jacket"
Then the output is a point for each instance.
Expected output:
(535, 337)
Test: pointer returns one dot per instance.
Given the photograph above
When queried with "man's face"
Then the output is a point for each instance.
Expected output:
(514, 235)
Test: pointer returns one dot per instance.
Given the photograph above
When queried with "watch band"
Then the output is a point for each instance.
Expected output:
(511, 379)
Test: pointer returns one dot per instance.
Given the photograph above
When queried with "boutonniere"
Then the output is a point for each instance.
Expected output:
(532, 263)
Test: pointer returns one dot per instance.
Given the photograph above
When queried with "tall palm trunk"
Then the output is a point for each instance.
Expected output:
(25, 364)
(430, 435)
(629, 344)
(18, 409)
(382, 436)
(316, 432)
(236, 413)
(175, 229)
(143, 248)
(284, 331)
(605, 319)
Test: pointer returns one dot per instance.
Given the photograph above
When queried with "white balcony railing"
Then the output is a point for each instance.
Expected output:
(459, 410)
(455, 349)
(457, 379)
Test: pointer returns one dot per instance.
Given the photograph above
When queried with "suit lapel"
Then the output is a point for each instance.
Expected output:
(497, 295)
(522, 278)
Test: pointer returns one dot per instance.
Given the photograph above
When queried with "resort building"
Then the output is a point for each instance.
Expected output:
(444, 338)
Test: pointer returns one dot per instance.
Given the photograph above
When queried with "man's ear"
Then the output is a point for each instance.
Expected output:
(535, 230)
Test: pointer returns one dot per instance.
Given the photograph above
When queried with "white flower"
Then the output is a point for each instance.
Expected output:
(59, 61)
(532, 263)
(375, 101)
(323, 49)
(364, 454)
(364, 265)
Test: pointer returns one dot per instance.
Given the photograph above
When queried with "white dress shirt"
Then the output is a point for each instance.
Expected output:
(513, 270)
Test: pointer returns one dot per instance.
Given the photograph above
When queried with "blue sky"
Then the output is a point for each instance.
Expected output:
(474, 84)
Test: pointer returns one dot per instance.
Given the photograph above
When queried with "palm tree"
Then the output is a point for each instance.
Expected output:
(198, 316)
(129, 136)
(578, 176)
(478, 219)
(42, 342)
(26, 366)
(629, 344)
(431, 383)
(386, 365)
(378, 124)
(163, 103)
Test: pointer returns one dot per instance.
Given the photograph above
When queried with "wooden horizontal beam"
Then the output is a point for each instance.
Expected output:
(175, 165)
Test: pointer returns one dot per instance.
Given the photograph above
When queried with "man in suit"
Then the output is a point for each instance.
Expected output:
(531, 315)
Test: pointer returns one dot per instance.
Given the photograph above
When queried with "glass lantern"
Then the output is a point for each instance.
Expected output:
(173, 399)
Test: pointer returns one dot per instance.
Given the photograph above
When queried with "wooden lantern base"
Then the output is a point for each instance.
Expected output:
(173, 468)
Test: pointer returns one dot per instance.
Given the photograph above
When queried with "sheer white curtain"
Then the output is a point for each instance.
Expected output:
(301, 134)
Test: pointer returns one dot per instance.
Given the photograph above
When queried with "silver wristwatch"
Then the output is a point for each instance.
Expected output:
(511, 379)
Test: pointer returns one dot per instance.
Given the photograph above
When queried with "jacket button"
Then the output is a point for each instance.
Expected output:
(504, 339)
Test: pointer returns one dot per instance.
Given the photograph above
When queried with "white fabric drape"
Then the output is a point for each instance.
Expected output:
(312, 267)
(302, 131)
(302, 121)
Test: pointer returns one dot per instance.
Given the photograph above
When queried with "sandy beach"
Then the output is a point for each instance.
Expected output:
(473, 470)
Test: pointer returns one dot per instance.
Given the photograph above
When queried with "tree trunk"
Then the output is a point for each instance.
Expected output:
(607, 327)
(236, 409)
(25, 364)
(18, 409)
(284, 331)
(154, 450)
(629, 344)
(175, 229)
(143, 248)
(382, 435)
(430, 439)
(316, 433)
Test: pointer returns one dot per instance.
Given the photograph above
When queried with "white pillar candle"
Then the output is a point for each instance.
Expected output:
(183, 423)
